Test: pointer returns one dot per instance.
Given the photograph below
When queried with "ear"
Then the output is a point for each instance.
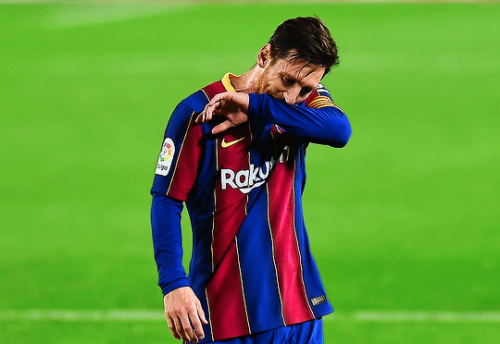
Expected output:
(264, 56)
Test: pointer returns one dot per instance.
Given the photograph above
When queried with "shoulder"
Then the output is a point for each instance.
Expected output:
(212, 89)
(185, 112)
(323, 91)
(196, 102)
(319, 98)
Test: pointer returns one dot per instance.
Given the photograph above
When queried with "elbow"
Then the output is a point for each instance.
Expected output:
(345, 136)
(341, 131)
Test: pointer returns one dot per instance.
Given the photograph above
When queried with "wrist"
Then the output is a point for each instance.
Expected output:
(176, 284)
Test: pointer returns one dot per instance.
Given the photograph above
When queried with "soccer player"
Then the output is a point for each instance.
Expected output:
(234, 154)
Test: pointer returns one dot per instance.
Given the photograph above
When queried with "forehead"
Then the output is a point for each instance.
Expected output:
(301, 71)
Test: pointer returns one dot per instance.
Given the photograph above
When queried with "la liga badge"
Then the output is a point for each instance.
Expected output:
(166, 157)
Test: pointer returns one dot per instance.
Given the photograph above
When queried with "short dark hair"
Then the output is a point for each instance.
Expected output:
(305, 38)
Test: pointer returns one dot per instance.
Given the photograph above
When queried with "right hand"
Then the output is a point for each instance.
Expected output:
(184, 315)
(231, 105)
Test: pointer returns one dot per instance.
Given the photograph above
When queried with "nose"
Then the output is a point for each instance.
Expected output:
(291, 95)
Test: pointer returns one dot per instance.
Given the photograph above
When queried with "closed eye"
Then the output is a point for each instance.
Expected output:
(287, 80)
(305, 91)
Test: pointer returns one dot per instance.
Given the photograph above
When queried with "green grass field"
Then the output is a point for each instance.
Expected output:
(404, 219)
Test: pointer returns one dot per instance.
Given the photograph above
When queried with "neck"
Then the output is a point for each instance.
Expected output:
(247, 83)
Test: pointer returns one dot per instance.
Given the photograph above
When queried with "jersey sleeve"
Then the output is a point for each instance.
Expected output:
(167, 242)
(177, 166)
(318, 120)
(175, 175)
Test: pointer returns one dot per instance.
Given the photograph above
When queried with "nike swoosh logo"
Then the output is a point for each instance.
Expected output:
(225, 144)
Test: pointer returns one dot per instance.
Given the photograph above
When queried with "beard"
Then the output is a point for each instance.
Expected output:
(262, 83)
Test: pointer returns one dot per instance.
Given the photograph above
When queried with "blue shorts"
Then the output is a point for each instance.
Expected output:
(310, 332)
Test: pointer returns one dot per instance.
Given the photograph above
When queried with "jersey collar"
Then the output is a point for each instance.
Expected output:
(226, 82)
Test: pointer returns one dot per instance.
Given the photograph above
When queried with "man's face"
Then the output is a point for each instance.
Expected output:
(290, 80)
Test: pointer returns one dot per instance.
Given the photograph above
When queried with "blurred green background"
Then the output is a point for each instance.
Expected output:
(404, 219)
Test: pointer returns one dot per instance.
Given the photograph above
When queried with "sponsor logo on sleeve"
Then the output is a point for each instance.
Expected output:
(318, 300)
(166, 157)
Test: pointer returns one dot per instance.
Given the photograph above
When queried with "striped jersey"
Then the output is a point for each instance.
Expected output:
(251, 265)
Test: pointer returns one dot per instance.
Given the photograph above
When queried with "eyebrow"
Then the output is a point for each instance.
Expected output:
(288, 75)
(294, 80)
(304, 66)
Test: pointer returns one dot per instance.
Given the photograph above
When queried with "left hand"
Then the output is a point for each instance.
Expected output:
(232, 105)
(184, 315)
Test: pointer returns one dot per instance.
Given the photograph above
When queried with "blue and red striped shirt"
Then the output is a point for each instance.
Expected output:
(251, 265)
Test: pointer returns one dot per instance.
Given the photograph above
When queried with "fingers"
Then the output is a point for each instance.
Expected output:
(197, 321)
(173, 327)
(187, 327)
(231, 105)
(222, 127)
(184, 315)
(209, 111)
(201, 314)
(187, 331)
